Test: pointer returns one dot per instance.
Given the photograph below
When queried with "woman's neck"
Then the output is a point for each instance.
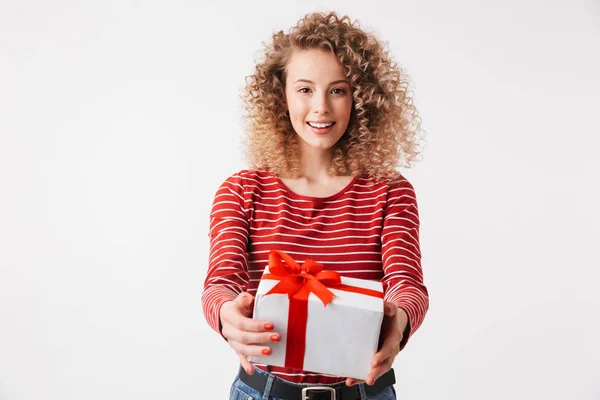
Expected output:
(315, 164)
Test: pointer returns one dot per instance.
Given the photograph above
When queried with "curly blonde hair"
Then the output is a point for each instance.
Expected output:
(384, 127)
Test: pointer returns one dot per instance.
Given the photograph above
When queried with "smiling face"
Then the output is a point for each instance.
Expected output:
(318, 98)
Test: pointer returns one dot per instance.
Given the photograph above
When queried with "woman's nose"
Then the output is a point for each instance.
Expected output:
(321, 103)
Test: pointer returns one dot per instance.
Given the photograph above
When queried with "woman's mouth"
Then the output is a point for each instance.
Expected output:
(321, 128)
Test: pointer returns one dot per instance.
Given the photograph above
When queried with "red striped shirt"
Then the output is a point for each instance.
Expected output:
(368, 230)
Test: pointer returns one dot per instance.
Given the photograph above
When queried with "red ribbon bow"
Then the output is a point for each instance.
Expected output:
(301, 280)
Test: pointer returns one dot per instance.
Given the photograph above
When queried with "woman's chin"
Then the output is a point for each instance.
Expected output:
(322, 143)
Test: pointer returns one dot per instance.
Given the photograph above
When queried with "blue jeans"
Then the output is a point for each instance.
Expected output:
(241, 391)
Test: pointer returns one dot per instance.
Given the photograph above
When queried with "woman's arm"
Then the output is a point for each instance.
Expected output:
(401, 256)
(405, 295)
(227, 275)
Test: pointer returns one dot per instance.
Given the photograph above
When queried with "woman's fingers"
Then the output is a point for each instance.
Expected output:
(248, 331)
(244, 303)
(384, 358)
(247, 365)
(379, 370)
(375, 372)
(232, 315)
(245, 337)
(249, 349)
(251, 325)
(389, 349)
(352, 382)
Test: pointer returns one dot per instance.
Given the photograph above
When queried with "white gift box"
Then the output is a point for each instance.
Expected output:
(341, 338)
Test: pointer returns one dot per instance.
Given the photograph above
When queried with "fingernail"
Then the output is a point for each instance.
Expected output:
(351, 383)
(266, 351)
(275, 338)
(269, 326)
(388, 309)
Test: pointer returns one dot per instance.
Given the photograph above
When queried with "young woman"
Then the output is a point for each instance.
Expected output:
(330, 118)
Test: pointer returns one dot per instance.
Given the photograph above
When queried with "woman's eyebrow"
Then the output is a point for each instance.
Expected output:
(332, 83)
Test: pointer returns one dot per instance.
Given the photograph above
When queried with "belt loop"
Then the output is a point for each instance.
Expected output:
(268, 386)
(362, 391)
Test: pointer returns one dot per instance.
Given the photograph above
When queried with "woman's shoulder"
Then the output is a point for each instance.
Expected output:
(255, 175)
(401, 181)
(395, 189)
(398, 180)
(250, 178)
(401, 191)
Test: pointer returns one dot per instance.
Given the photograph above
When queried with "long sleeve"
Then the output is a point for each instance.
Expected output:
(401, 256)
(228, 256)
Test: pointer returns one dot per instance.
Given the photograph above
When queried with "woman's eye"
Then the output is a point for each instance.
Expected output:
(334, 90)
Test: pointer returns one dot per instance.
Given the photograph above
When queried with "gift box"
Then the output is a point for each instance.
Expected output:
(328, 324)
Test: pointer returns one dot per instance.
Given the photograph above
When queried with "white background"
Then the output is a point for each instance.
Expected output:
(118, 121)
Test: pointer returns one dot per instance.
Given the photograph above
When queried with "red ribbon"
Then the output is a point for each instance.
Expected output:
(298, 282)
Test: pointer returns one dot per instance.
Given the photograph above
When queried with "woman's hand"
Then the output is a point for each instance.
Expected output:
(244, 334)
(392, 331)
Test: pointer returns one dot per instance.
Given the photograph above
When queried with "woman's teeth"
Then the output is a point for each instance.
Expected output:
(316, 125)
